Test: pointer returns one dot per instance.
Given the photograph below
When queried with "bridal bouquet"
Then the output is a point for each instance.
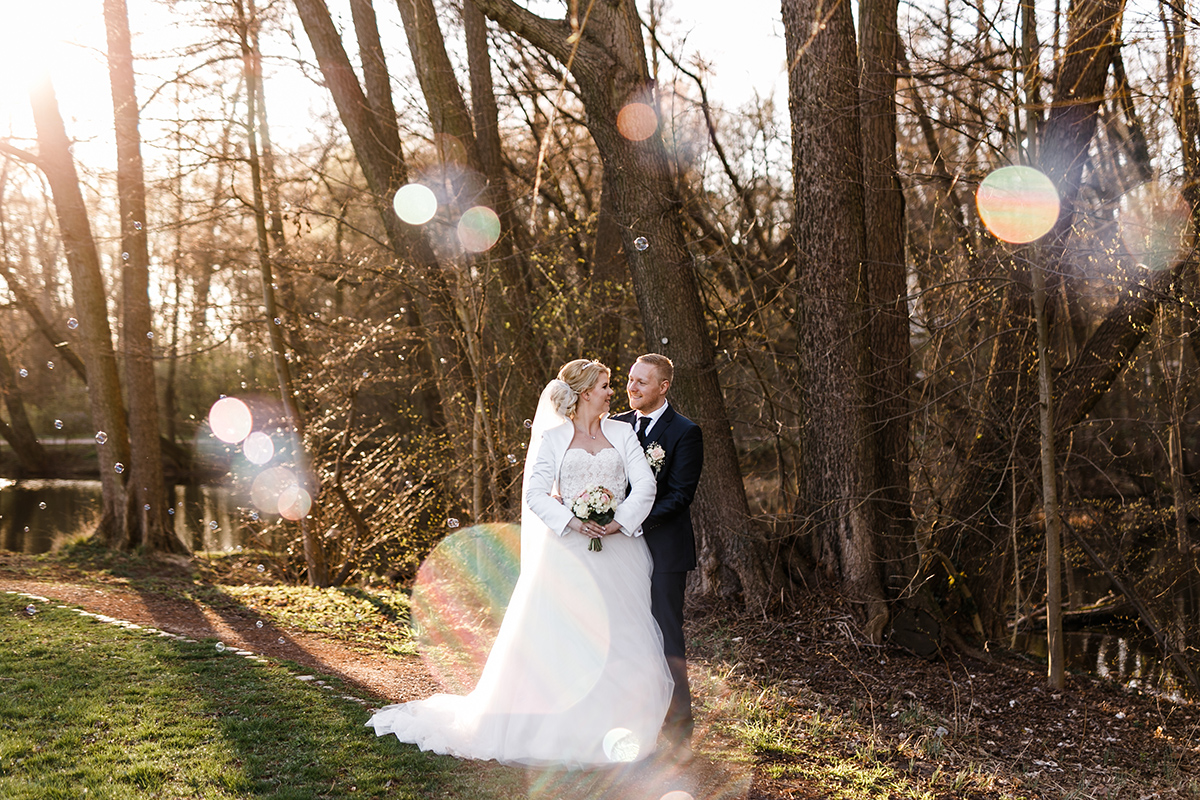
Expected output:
(598, 505)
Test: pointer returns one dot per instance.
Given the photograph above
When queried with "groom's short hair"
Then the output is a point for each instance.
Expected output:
(661, 364)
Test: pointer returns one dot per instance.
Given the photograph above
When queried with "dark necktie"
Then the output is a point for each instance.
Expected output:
(643, 424)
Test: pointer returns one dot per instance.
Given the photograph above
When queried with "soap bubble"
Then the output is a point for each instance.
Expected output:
(149, 334)
(30, 610)
(478, 229)
(42, 505)
(230, 420)
(278, 321)
(261, 568)
(258, 624)
(146, 507)
(1017, 204)
(58, 424)
(49, 365)
(171, 511)
(137, 226)
(124, 256)
(415, 203)
(641, 243)
(452, 523)
(528, 423)
(24, 373)
(664, 340)
(72, 323)
(220, 647)
(511, 458)
(637, 121)
(213, 525)
(119, 467)
(258, 448)
(101, 437)
(281, 640)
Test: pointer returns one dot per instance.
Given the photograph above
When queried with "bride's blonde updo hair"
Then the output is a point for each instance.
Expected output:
(575, 378)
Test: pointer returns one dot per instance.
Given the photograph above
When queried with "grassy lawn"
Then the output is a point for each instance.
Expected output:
(91, 710)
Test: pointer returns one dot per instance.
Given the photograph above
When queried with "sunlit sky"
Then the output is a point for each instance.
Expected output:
(743, 51)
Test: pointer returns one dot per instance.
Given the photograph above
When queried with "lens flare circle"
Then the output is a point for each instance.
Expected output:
(1155, 226)
(1017, 204)
(269, 485)
(230, 420)
(478, 229)
(415, 203)
(294, 503)
(637, 122)
(459, 599)
(621, 745)
(258, 448)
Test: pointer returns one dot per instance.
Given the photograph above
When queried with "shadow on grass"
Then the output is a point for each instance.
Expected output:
(88, 706)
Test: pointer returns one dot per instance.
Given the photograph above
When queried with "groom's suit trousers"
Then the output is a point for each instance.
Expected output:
(666, 605)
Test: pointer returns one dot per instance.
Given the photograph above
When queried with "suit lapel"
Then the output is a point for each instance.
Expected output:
(660, 428)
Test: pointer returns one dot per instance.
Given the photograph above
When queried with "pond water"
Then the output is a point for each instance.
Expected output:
(35, 514)
(1124, 657)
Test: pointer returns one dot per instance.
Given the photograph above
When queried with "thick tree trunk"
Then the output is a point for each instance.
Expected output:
(889, 376)
(607, 58)
(837, 472)
(87, 287)
(147, 522)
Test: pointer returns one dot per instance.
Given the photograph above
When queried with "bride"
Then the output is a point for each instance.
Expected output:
(577, 675)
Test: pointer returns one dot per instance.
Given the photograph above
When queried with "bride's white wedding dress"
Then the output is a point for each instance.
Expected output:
(577, 675)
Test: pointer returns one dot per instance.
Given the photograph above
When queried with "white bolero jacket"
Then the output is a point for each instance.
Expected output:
(541, 477)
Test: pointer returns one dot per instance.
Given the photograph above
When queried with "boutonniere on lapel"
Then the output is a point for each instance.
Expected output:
(655, 455)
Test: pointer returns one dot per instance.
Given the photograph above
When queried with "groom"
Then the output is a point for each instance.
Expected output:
(668, 529)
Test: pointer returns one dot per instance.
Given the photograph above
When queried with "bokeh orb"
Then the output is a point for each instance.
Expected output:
(230, 420)
(1017, 204)
(1155, 226)
(269, 485)
(415, 203)
(294, 503)
(258, 448)
(637, 121)
(478, 229)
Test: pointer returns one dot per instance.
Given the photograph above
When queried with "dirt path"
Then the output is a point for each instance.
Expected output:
(386, 678)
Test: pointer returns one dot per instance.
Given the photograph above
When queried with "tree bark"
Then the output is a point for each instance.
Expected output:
(887, 285)
(87, 285)
(837, 475)
(607, 58)
(147, 522)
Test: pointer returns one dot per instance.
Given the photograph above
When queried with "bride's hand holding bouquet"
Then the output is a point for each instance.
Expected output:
(596, 504)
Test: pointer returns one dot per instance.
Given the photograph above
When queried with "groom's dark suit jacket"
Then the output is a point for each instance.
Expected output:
(668, 529)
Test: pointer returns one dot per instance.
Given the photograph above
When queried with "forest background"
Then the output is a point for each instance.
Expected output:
(896, 401)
